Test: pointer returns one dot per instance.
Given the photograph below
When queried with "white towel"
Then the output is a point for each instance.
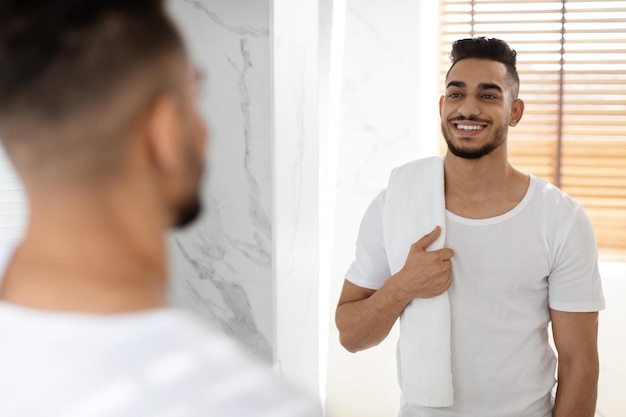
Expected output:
(414, 205)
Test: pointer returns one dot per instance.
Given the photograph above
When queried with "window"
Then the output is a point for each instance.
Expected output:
(13, 204)
(572, 66)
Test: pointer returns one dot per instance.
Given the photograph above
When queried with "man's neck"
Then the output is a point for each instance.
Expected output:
(482, 188)
(86, 259)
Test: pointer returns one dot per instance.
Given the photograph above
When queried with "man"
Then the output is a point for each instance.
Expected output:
(518, 254)
(98, 116)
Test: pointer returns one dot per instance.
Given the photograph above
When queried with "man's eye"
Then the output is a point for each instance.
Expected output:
(489, 96)
(454, 95)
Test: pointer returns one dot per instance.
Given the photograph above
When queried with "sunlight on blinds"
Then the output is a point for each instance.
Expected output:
(13, 204)
(572, 66)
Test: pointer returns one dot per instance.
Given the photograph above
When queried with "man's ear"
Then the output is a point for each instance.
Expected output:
(517, 111)
(440, 104)
(162, 127)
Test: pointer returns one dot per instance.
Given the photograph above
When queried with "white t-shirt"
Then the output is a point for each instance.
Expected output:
(507, 272)
(157, 363)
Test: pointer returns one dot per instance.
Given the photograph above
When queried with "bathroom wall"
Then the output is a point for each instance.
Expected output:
(389, 116)
(296, 193)
(250, 265)
(13, 206)
(222, 266)
(280, 184)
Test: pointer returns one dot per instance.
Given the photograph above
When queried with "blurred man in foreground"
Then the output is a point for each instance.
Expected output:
(97, 114)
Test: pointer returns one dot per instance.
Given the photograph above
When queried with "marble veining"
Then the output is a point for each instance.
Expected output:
(296, 198)
(298, 95)
(379, 108)
(245, 30)
(260, 218)
(379, 130)
(222, 265)
(375, 34)
(236, 318)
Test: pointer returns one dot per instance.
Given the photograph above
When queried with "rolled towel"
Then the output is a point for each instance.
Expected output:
(414, 206)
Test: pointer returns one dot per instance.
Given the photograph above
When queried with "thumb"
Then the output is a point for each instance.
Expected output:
(428, 239)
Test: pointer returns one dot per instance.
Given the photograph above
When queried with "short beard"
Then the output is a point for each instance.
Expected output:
(191, 209)
(498, 140)
(189, 213)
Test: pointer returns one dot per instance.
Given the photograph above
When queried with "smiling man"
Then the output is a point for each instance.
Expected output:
(477, 280)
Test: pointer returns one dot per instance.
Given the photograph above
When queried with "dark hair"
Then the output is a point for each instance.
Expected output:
(57, 57)
(487, 48)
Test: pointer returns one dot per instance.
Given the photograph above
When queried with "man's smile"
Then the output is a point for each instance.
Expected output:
(468, 126)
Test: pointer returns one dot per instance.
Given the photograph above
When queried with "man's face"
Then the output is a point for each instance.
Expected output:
(193, 146)
(477, 108)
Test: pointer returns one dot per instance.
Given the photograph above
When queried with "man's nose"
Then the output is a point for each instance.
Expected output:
(469, 107)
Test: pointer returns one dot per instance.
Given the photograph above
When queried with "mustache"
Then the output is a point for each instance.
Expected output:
(468, 119)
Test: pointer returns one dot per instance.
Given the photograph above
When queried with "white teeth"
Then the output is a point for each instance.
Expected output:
(469, 127)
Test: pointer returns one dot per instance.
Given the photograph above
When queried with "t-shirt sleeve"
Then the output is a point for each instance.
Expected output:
(370, 268)
(574, 284)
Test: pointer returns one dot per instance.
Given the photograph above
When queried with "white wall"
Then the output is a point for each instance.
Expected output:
(13, 205)
(251, 264)
(295, 167)
(222, 266)
(255, 262)
(388, 117)
(612, 342)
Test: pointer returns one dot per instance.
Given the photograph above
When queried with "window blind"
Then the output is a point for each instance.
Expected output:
(13, 204)
(572, 67)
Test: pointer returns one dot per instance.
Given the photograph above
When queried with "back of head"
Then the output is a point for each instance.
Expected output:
(74, 73)
(487, 48)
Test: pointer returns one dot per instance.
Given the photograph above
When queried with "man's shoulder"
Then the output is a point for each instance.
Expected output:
(553, 197)
(554, 209)
(171, 358)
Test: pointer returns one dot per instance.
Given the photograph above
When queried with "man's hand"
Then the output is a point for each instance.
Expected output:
(364, 316)
(425, 274)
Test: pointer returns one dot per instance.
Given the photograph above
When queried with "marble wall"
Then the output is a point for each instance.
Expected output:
(258, 262)
(222, 266)
(251, 264)
(296, 193)
(291, 176)
(389, 116)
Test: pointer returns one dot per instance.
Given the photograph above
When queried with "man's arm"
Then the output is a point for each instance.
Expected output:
(575, 338)
(364, 317)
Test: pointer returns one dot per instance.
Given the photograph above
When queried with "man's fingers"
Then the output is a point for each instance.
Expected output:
(428, 239)
(445, 253)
